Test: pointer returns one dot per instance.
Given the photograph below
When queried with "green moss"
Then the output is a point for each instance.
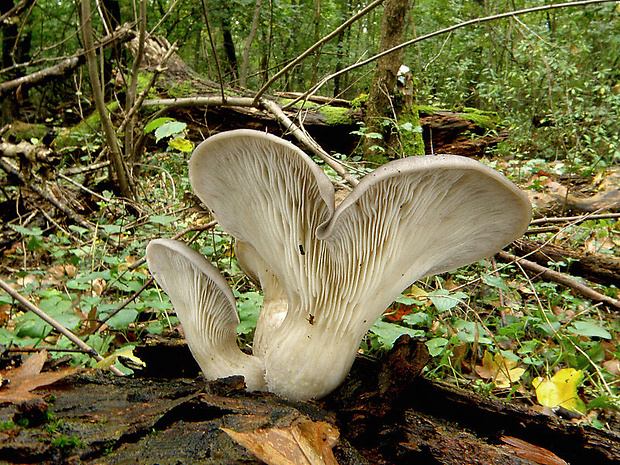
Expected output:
(359, 101)
(182, 90)
(484, 119)
(333, 115)
(336, 115)
(89, 127)
(20, 131)
(411, 132)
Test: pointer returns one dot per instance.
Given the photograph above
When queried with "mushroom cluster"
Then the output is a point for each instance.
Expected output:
(327, 272)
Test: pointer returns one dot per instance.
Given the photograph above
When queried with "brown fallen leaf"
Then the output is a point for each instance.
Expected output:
(28, 377)
(531, 452)
(306, 443)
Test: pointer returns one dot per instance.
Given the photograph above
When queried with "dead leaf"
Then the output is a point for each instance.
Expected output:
(98, 286)
(531, 452)
(306, 443)
(612, 366)
(501, 370)
(28, 377)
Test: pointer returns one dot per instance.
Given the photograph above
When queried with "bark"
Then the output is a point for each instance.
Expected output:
(383, 414)
(229, 45)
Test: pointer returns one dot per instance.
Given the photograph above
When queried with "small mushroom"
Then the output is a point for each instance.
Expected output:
(328, 273)
(206, 308)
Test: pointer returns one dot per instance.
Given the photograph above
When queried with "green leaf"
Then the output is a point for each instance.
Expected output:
(470, 331)
(436, 346)
(417, 319)
(248, 306)
(585, 328)
(123, 318)
(387, 333)
(443, 301)
(168, 129)
(603, 402)
(157, 122)
(163, 219)
(494, 281)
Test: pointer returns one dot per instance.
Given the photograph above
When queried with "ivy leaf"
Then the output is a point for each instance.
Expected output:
(585, 328)
(561, 390)
(157, 122)
(387, 333)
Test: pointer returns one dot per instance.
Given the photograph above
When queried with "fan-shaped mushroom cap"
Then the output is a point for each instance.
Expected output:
(206, 308)
(340, 268)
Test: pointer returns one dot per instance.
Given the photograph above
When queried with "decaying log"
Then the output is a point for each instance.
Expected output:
(383, 414)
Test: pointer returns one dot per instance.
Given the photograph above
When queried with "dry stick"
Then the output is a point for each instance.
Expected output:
(560, 279)
(60, 328)
(302, 137)
(66, 65)
(576, 219)
(485, 19)
(318, 44)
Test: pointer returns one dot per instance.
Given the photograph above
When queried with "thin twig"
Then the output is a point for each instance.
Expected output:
(9, 168)
(213, 49)
(576, 219)
(60, 328)
(302, 137)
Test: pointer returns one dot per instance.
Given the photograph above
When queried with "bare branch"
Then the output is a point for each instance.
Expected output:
(560, 278)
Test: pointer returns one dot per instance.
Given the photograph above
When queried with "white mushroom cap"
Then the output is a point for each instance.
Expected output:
(206, 308)
(340, 268)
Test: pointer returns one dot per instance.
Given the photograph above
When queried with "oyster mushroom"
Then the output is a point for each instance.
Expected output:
(333, 271)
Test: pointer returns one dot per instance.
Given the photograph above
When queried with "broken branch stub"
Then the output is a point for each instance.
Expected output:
(335, 270)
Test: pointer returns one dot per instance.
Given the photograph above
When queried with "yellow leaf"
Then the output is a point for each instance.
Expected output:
(501, 370)
(560, 390)
(107, 362)
(181, 144)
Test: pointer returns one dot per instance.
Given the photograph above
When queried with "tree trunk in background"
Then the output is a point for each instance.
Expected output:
(243, 78)
(383, 109)
(229, 45)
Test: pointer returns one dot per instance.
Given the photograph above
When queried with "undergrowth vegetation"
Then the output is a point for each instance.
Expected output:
(491, 326)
